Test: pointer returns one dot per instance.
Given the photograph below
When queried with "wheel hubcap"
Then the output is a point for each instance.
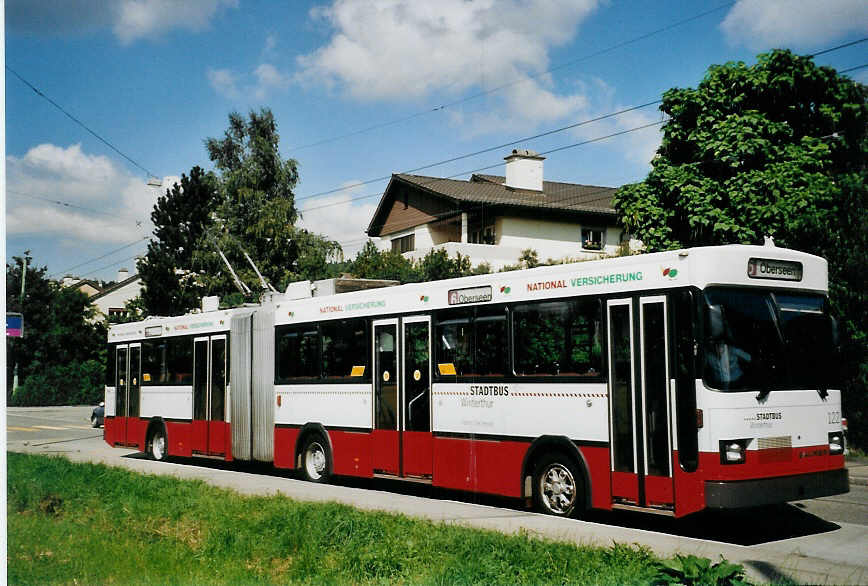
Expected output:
(558, 489)
(158, 446)
(315, 461)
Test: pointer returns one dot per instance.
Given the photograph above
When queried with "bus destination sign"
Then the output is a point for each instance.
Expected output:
(766, 268)
(469, 295)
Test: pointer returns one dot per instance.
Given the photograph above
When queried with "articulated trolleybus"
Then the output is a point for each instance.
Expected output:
(666, 383)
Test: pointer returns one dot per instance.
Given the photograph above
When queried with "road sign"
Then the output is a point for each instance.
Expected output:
(14, 325)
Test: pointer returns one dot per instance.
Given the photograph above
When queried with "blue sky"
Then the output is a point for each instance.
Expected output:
(441, 79)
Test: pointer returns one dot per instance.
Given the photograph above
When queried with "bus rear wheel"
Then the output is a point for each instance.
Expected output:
(557, 487)
(315, 460)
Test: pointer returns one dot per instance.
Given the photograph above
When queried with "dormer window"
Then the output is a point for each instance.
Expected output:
(593, 239)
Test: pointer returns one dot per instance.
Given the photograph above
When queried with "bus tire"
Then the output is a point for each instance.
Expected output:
(558, 487)
(315, 461)
(158, 445)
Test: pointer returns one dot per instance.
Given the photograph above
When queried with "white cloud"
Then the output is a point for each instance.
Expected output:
(224, 82)
(90, 199)
(402, 49)
(260, 83)
(130, 20)
(343, 220)
(138, 19)
(764, 24)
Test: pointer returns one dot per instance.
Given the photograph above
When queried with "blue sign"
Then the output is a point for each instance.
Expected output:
(14, 325)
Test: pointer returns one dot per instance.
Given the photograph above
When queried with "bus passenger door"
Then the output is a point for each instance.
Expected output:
(121, 392)
(134, 386)
(416, 440)
(201, 370)
(385, 438)
(640, 421)
(217, 432)
(656, 419)
(622, 402)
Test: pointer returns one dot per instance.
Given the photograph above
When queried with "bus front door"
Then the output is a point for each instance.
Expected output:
(209, 395)
(127, 388)
(402, 442)
(639, 406)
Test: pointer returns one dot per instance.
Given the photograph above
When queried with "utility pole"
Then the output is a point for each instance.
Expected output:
(21, 303)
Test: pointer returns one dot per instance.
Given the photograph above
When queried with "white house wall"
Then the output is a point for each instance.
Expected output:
(117, 298)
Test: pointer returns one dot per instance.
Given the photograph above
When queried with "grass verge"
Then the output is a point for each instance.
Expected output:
(89, 523)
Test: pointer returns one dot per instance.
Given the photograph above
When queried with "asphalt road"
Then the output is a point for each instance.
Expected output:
(816, 541)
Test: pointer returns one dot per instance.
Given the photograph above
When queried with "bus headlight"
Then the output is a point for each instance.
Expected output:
(836, 443)
(733, 451)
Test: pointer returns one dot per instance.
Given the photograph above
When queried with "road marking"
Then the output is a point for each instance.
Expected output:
(79, 427)
(12, 428)
(49, 427)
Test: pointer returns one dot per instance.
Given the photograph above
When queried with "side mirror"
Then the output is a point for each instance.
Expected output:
(715, 322)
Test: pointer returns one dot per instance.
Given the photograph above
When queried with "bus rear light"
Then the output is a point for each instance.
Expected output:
(733, 451)
(699, 419)
(836, 443)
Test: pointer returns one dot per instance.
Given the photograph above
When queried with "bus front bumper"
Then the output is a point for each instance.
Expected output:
(767, 491)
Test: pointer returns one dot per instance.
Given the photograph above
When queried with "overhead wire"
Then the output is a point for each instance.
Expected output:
(485, 168)
(42, 95)
(485, 150)
(67, 204)
(87, 262)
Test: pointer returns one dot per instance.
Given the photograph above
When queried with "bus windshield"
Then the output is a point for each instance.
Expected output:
(766, 340)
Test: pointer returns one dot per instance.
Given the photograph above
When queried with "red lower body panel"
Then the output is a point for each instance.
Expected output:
(417, 449)
(351, 453)
(690, 488)
(625, 485)
(597, 459)
(285, 439)
(479, 465)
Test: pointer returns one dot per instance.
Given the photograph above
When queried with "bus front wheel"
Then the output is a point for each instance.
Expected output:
(557, 486)
(315, 460)
(158, 447)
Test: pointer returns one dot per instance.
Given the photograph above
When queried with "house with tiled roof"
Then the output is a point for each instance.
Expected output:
(111, 301)
(492, 218)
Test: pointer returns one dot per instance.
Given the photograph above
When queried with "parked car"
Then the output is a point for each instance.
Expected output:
(96, 418)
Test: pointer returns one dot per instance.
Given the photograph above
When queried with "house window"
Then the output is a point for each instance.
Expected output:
(117, 314)
(484, 235)
(593, 239)
(404, 243)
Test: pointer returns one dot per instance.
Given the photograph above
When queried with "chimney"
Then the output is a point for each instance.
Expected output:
(123, 275)
(524, 170)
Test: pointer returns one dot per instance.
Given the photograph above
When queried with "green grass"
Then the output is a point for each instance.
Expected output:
(88, 523)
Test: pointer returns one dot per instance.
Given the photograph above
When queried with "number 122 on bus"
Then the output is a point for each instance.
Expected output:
(668, 383)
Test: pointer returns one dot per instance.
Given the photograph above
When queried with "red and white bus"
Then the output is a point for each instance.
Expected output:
(667, 382)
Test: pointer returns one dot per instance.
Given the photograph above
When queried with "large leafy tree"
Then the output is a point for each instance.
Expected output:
(777, 148)
(257, 213)
(181, 218)
(60, 358)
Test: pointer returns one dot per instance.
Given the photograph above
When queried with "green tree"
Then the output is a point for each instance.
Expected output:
(372, 263)
(257, 213)
(776, 148)
(181, 219)
(61, 357)
(436, 265)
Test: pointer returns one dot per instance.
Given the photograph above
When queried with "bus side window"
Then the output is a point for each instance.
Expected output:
(491, 342)
(454, 341)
